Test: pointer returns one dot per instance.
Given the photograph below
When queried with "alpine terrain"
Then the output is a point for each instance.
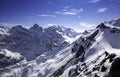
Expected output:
(60, 52)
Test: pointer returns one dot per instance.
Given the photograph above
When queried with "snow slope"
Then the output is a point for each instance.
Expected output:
(38, 68)
(101, 53)
(8, 58)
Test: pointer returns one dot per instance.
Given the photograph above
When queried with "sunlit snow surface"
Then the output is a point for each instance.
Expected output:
(105, 41)
(37, 68)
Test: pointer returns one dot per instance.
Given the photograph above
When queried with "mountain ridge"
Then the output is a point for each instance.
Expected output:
(35, 40)
(95, 53)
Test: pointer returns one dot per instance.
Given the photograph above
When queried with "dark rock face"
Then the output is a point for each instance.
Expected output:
(115, 68)
(102, 26)
(96, 75)
(81, 50)
(6, 61)
(103, 69)
(36, 30)
(111, 57)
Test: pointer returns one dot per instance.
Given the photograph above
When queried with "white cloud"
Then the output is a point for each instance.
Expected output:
(70, 11)
(67, 13)
(86, 25)
(101, 10)
(8, 24)
(50, 24)
(77, 10)
(94, 1)
(47, 15)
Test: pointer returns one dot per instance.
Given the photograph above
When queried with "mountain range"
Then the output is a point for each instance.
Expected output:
(34, 41)
(60, 52)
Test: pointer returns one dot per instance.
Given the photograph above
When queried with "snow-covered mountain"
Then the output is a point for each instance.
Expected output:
(98, 53)
(34, 41)
(95, 54)
(115, 22)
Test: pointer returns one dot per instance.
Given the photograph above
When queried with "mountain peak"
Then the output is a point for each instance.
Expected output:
(18, 27)
(102, 25)
(3, 30)
(36, 27)
(115, 22)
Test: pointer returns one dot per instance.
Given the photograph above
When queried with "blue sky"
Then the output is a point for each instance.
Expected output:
(76, 14)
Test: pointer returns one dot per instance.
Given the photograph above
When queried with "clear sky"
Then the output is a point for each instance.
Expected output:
(76, 14)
